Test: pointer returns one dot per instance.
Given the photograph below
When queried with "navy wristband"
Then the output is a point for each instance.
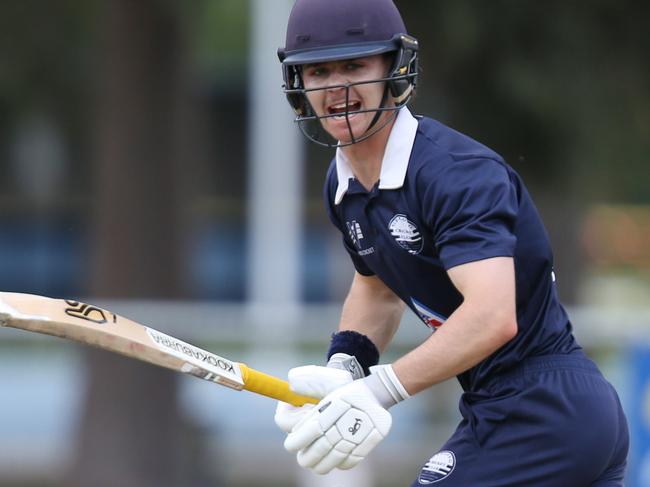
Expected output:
(357, 345)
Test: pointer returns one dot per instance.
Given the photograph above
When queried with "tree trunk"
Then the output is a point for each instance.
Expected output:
(130, 433)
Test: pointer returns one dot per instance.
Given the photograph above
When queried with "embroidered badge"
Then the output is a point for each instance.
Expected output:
(438, 468)
(406, 234)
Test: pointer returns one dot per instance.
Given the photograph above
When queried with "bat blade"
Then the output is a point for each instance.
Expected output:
(101, 328)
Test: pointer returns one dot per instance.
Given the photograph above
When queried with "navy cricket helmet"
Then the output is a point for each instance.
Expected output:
(321, 31)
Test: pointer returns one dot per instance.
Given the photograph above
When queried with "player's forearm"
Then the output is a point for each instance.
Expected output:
(484, 322)
(469, 336)
(372, 310)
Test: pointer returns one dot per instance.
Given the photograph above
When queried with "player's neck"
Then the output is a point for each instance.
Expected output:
(366, 157)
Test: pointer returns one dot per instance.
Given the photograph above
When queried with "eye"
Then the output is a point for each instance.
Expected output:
(317, 71)
(353, 66)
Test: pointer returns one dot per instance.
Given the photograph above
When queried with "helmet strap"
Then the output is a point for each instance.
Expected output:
(378, 113)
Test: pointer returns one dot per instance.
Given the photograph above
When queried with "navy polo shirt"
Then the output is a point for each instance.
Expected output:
(442, 200)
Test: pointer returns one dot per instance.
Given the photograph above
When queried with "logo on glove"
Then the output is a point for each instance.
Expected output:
(356, 426)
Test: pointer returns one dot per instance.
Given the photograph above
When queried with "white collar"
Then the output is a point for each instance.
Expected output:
(395, 161)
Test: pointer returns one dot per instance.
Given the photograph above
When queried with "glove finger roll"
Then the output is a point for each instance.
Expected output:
(349, 462)
(331, 461)
(303, 435)
(368, 444)
(310, 456)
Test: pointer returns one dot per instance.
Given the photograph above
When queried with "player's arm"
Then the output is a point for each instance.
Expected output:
(483, 323)
(370, 316)
(356, 408)
(371, 309)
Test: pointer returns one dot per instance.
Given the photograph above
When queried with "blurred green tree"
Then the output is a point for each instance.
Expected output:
(560, 89)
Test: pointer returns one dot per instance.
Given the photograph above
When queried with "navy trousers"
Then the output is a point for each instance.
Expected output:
(554, 421)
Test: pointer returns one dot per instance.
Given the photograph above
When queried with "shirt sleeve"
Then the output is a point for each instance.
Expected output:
(472, 206)
(357, 261)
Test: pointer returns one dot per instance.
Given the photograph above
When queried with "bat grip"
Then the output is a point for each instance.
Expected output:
(269, 386)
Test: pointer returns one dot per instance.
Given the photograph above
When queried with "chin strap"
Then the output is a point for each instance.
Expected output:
(374, 121)
(378, 113)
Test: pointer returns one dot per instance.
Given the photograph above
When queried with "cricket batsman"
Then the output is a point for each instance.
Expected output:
(439, 223)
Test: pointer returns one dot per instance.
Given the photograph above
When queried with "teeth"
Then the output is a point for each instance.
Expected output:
(341, 106)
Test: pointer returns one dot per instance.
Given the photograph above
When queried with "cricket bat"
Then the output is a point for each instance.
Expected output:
(100, 328)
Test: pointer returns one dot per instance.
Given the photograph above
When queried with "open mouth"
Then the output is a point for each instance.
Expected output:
(340, 110)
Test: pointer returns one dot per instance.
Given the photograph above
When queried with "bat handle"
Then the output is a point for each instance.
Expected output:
(267, 385)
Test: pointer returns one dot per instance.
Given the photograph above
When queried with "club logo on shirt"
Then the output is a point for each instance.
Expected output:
(438, 468)
(406, 234)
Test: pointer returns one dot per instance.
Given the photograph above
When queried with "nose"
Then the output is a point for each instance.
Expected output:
(337, 79)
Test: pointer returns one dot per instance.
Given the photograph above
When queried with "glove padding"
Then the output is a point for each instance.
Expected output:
(341, 430)
(319, 381)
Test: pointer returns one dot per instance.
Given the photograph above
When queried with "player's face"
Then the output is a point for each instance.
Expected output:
(331, 97)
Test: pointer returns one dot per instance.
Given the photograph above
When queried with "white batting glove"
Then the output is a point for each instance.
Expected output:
(348, 423)
(346, 362)
(319, 381)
